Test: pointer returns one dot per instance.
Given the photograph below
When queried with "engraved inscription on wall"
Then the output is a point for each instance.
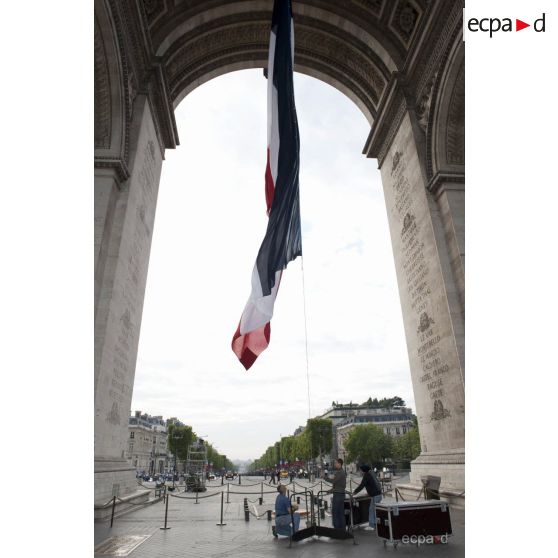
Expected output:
(417, 281)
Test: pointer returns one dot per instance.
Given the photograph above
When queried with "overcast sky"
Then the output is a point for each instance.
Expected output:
(209, 224)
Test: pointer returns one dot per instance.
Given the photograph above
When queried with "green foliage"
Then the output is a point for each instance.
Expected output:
(289, 448)
(179, 440)
(385, 403)
(319, 436)
(367, 443)
(407, 447)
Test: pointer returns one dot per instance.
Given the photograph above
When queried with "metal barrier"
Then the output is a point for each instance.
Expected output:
(221, 522)
(166, 515)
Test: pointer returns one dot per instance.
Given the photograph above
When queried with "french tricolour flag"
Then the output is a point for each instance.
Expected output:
(282, 242)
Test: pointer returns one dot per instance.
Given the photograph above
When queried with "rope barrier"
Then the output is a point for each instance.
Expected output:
(133, 503)
(253, 493)
(313, 485)
(253, 501)
(231, 483)
(259, 516)
(154, 488)
(109, 503)
(196, 497)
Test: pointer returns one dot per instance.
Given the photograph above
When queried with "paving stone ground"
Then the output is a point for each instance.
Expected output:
(193, 531)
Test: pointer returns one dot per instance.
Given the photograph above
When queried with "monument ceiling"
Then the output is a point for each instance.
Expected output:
(364, 48)
(354, 45)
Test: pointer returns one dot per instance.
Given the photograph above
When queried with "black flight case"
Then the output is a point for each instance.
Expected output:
(413, 522)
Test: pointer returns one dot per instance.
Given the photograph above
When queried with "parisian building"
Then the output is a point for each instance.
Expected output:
(394, 421)
(147, 443)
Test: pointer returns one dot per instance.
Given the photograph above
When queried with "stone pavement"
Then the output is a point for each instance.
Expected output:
(193, 531)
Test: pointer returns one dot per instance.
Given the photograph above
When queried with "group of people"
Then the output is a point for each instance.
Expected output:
(286, 519)
(275, 476)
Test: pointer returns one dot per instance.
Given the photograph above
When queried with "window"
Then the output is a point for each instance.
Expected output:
(132, 434)
(397, 430)
(404, 430)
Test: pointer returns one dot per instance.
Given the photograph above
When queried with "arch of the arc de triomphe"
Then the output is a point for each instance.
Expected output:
(401, 62)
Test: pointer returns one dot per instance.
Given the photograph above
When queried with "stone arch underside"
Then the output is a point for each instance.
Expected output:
(110, 123)
(446, 130)
(353, 46)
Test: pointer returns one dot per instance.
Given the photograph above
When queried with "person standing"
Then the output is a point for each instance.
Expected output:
(374, 490)
(272, 477)
(339, 482)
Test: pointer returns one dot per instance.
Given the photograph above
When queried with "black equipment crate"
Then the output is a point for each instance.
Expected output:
(360, 509)
(395, 520)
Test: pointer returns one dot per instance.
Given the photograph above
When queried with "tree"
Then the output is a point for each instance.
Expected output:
(179, 439)
(407, 447)
(384, 403)
(319, 436)
(366, 443)
(302, 447)
(288, 452)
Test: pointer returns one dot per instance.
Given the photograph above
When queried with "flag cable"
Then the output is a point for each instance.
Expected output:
(305, 332)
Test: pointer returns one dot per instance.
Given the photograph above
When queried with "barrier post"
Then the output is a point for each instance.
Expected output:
(222, 497)
(239, 478)
(222, 479)
(269, 515)
(246, 511)
(113, 508)
(166, 514)
(350, 484)
(261, 497)
(228, 485)
(196, 502)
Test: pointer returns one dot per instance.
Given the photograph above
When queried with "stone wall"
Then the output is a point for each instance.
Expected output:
(436, 370)
(126, 239)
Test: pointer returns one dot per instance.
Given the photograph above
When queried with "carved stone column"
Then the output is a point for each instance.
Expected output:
(432, 314)
(124, 216)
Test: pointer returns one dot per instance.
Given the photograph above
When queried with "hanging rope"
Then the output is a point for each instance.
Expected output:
(305, 333)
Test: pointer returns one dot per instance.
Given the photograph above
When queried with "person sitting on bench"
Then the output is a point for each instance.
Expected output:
(283, 517)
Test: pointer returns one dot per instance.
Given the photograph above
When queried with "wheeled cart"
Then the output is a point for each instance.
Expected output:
(412, 522)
